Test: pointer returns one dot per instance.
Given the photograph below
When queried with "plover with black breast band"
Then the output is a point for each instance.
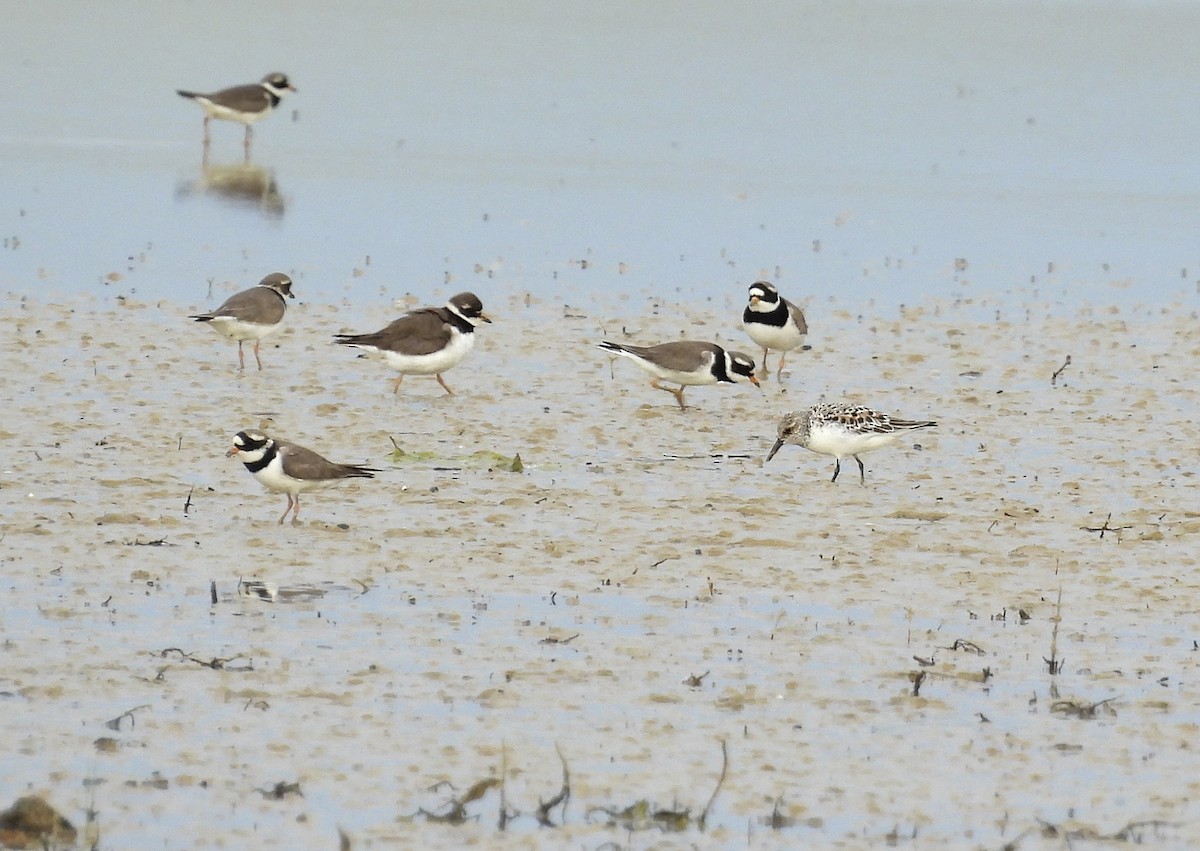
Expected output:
(244, 104)
(251, 314)
(291, 469)
(687, 363)
(427, 341)
(774, 323)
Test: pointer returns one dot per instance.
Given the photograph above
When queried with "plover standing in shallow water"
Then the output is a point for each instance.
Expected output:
(244, 104)
(842, 431)
(427, 341)
(687, 363)
(251, 314)
(774, 323)
(287, 468)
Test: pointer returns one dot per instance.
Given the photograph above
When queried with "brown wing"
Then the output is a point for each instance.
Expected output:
(797, 316)
(302, 463)
(248, 98)
(421, 332)
(257, 304)
(680, 355)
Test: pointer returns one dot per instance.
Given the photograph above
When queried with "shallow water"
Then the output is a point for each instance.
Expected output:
(406, 646)
(960, 198)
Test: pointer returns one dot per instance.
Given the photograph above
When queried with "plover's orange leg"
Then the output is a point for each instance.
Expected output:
(678, 394)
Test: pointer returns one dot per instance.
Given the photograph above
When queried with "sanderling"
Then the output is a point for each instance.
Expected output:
(841, 431)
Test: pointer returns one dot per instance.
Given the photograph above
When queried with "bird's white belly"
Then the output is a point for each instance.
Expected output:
(770, 337)
(435, 363)
(215, 110)
(235, 329)
(272, 478)
(841, 442)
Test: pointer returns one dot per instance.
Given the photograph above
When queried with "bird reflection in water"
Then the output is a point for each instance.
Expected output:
(241, 184)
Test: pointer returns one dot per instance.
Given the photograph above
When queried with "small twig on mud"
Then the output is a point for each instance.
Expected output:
(115, 723)
(1059, 371)
(1104, 527)
(720, 782)
(187, 503)
(550, 639)
(216, 663)
(1054, 664)
(502, 822)
(967, 646)
(563, 797)
(1078, 709)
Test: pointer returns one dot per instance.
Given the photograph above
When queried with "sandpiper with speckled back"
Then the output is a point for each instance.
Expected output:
(842, 431)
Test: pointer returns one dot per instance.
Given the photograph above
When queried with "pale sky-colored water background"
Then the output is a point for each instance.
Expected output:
(853, 153)
(700, 145)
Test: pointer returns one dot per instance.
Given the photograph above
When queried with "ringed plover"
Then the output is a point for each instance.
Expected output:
(774, 323)
(287, 468)
(427, 341)
(251, 314)
(687, 363)
(246, 104)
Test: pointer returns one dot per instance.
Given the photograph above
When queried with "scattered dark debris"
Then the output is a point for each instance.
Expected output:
(716, 789)
(925, 662)
(967, 647)
(643, 815)
(550, 639)
(694, 680)
(1104, 527)
(894, 836)
(154, 781)
(267, 591)
(216, 663)
(157, 542)
(918, 679)
(1059, 371)
(1136, 832)
(456, 810)
(1082, 709)
(115, 723)
(777, 820)
(1054, 664)
(563, 797)
(32, 823)
(281, 790)
(343, 840)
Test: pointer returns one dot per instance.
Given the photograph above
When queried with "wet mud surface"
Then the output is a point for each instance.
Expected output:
(991, 642)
